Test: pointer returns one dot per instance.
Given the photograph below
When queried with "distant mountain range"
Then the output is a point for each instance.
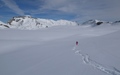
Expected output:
(99, 22)
(95, 22)
(30, 23)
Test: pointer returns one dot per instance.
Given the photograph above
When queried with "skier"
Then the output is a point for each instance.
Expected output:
(76, 43)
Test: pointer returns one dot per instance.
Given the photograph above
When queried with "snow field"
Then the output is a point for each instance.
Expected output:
(50, 51)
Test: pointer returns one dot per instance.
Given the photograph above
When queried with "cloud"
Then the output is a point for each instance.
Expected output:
(60, 5)
(86, 9)
(13, 6)
(81, 9)
(103, 9)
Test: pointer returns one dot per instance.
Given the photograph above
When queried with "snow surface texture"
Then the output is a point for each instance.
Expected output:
(87, 60)
(49, 51)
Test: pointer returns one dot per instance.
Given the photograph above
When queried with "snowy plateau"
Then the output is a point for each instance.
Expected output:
(52, 50)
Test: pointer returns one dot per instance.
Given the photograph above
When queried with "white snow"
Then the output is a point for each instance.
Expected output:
(93, 23)
(52, 51)
(30, 23)
(2, 25)
(1, 22)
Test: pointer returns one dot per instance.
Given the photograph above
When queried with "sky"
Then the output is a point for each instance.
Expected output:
(74, 10)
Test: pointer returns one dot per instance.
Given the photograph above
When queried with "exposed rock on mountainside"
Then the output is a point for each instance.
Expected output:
(28, 22)
(95, 22)
(3, 25)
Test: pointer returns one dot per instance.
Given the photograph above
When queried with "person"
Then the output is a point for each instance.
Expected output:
(76, 43)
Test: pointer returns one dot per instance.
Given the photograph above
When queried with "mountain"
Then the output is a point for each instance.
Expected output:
(95, 22)
(116, 22)
(3, 25)
(28, 22)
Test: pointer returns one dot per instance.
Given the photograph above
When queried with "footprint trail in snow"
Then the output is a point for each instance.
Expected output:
(87, 60)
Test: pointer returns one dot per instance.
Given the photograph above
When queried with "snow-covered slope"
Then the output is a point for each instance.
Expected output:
(3, 25)
(28, 22)
(96, 23)
(116, 23)
(53, 51)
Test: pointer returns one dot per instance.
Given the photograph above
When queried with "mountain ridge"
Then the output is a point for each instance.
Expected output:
(95, 22)
(3, 25)
(30, 23)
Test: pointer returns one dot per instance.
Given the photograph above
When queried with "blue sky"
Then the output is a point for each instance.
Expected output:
(75, 10)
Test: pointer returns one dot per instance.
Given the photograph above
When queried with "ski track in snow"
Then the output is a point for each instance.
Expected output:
(87, 60)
